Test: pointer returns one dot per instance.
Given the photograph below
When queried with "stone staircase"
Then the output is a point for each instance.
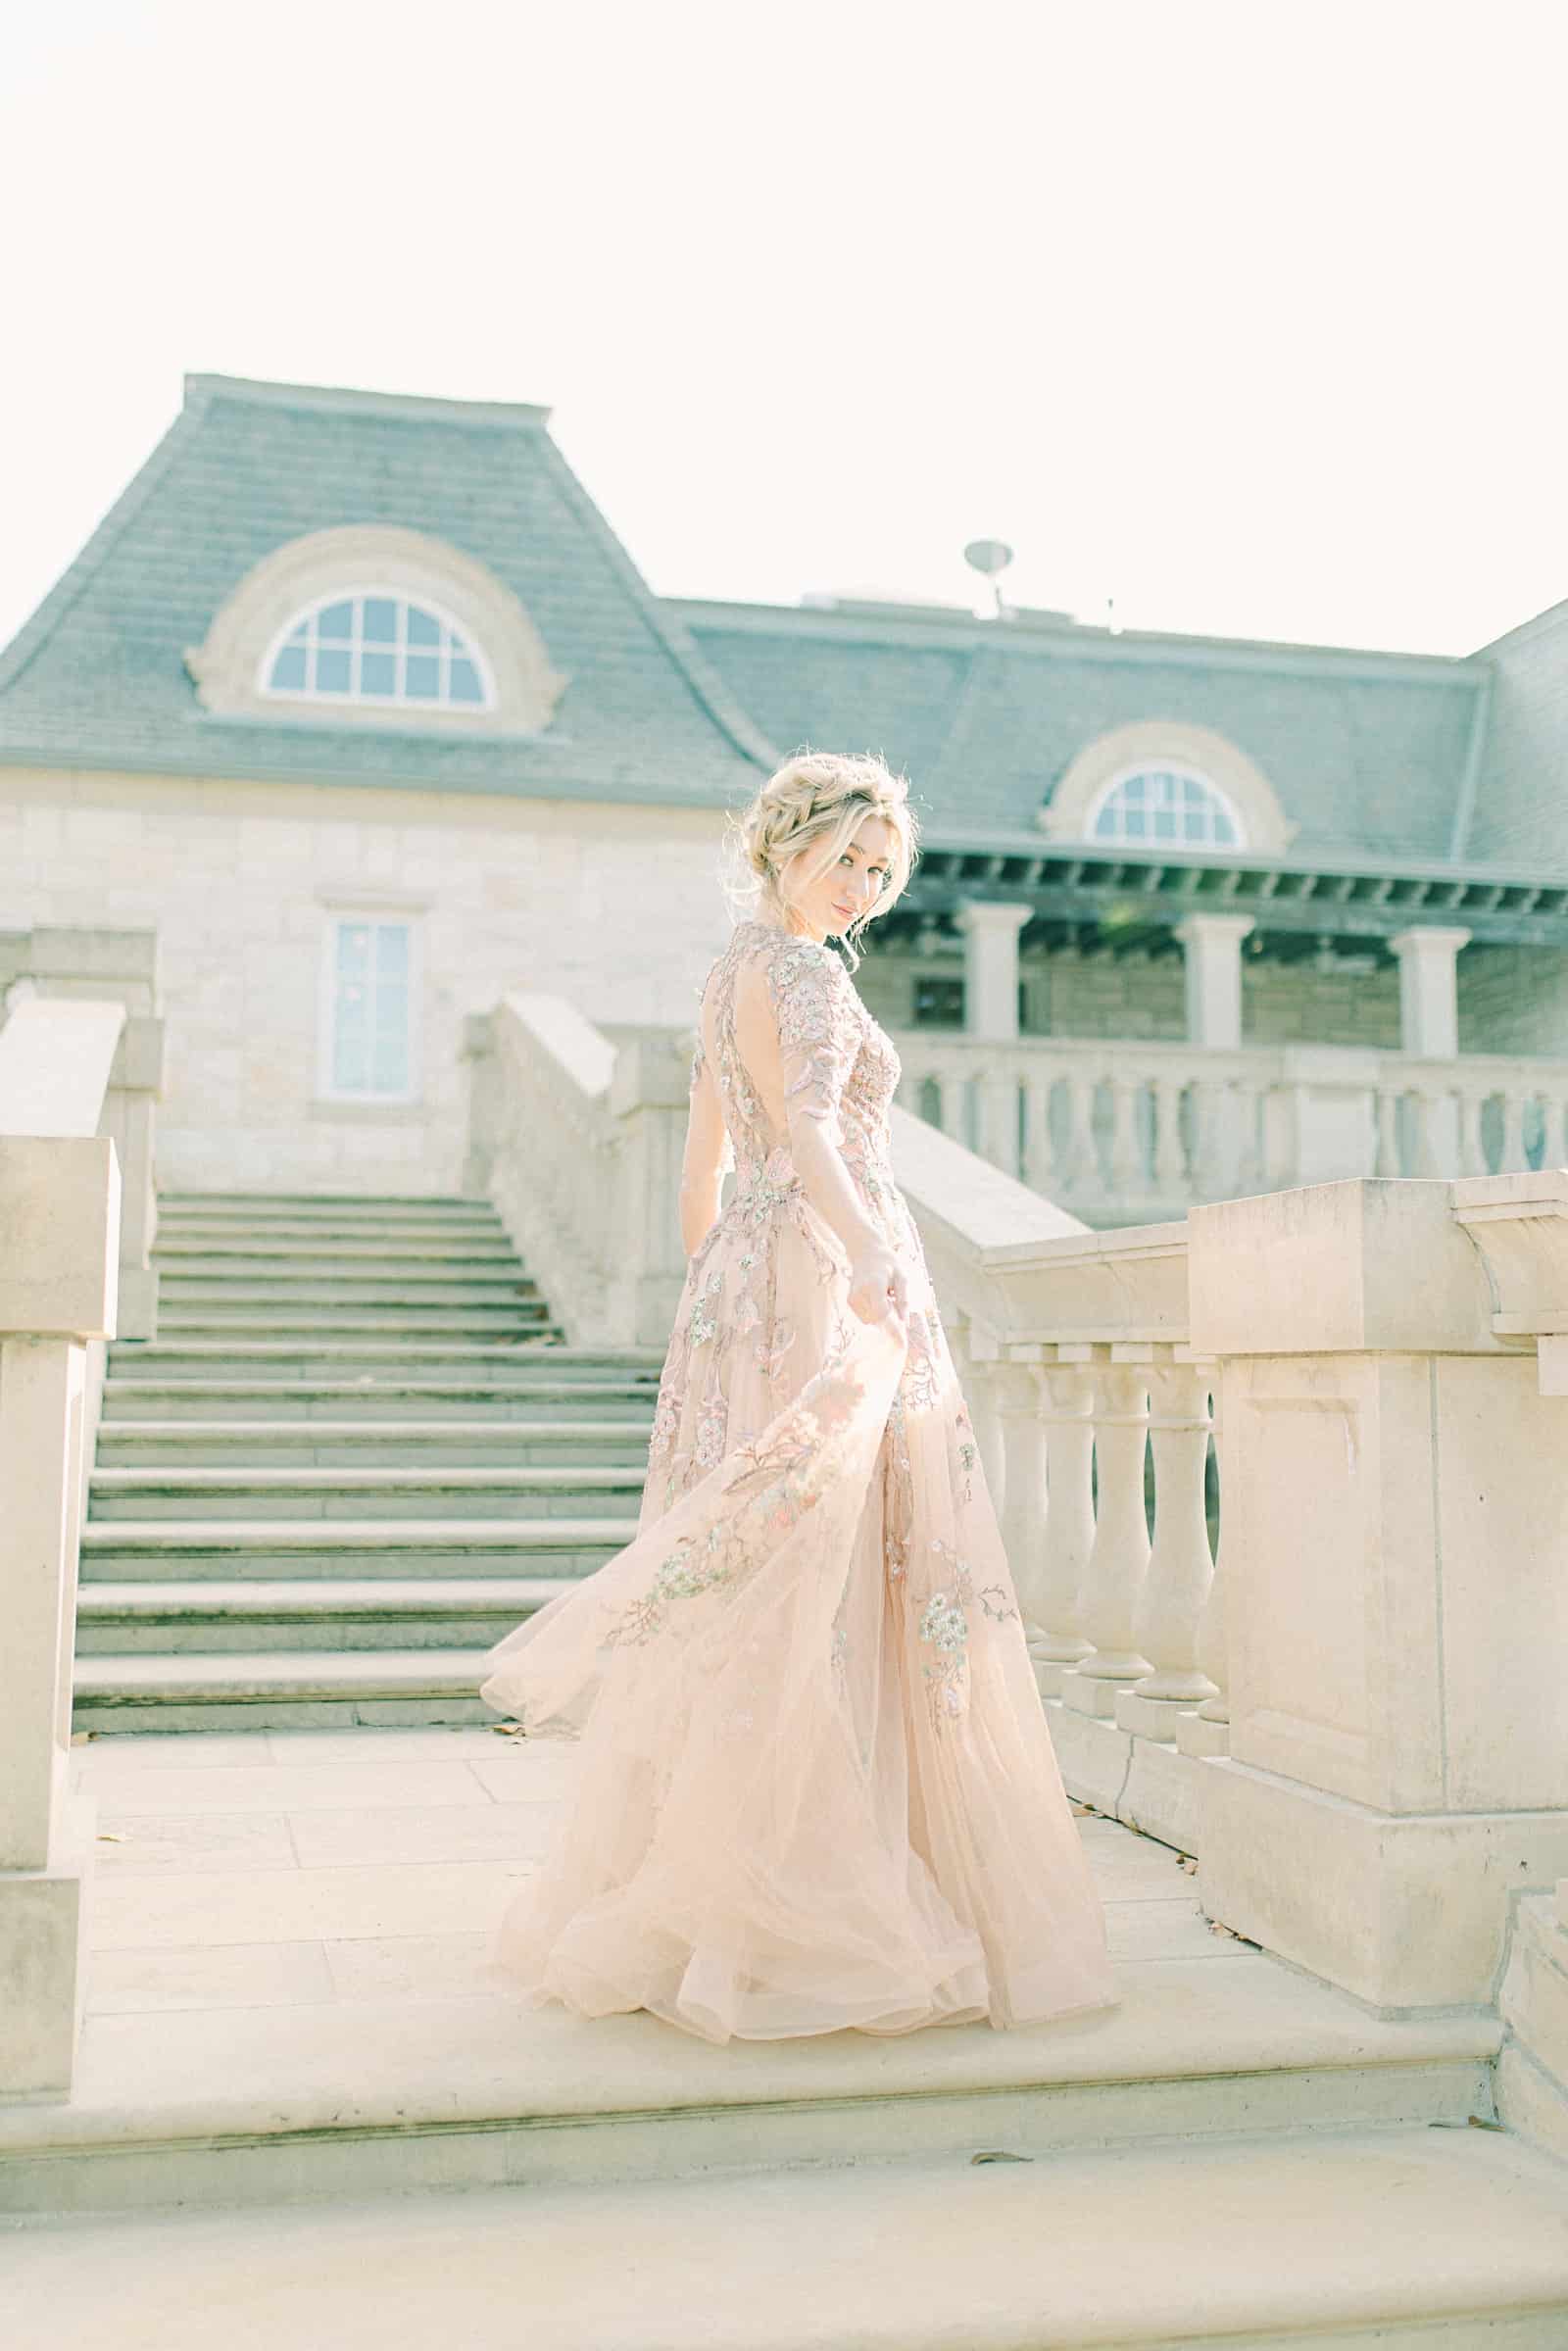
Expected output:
(357, 1455)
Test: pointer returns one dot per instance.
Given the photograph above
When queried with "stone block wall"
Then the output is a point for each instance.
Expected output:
(617, 908)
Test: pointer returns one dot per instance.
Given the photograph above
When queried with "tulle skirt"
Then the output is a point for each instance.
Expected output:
(816, 1784)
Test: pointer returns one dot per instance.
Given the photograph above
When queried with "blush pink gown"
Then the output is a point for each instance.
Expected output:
(816, 1787)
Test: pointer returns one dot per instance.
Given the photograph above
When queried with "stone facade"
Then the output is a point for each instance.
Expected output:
(616, 909)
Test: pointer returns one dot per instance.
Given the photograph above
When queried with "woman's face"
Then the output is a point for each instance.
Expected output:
(854, 881)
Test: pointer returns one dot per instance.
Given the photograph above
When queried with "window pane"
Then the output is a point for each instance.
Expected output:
(352, 950)
(1135, 824)
(1224, 830)
(351, 1064)
(337, 622)
(424, 626)
(288, 670)
(390, 1065)
(392, 950)
(425, 676)
(1107, 824)
(378, 674)
(464, 681)
(332, 672)
(1164, 825)
(381, 625)
(1132, 789)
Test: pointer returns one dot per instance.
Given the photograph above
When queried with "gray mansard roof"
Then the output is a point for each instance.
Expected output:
(1376, 756)
(1368, 752)
(98, 677)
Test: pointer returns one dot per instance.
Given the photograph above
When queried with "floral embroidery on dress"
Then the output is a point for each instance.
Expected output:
(945, 1624)
(704, 1322)
(768, 1490)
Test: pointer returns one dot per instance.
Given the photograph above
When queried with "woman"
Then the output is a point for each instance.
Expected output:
(816, 1784)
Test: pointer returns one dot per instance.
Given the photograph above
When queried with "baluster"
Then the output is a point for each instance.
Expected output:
(1079, 1172)
(1206, 1732)
(1069, 1429)
(1471, 1149)
(1208, 1175)
(1180, 1565)
(1125, 1168)
(1170, 1161)
(1554, 1146)
(1118, 1557)
(952, 1091)
(1513, 1132)
(1387, 1163)
(998, 1092)
(1037, 1168)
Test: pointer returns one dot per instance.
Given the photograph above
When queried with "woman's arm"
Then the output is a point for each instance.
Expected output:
(705, 1158)
(818, 1041)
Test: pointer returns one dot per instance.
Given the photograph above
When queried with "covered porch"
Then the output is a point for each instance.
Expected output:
(1134, 1033)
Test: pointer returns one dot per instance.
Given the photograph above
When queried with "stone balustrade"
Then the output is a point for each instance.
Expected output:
(1118, 1129)
(1358, 1727)
(577, 1140)
(60, 1228)
(1352, 1716)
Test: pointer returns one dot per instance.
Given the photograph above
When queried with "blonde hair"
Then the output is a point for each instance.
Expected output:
(821, 799)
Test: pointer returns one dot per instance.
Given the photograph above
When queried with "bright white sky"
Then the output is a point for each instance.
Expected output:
(1246, 312)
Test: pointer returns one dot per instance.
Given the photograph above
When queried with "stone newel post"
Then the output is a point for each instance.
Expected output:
(1396, 1512)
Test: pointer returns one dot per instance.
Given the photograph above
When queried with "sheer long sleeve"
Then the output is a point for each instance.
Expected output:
(819, 1039)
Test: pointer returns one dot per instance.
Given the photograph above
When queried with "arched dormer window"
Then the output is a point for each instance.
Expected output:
(380, 648)
(372, 625)
(1167, 784)
(1165, 803)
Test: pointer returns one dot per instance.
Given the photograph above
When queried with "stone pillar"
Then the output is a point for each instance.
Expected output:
(1429, 1027)
(1213, 945)
(1428, 997)
(991, 967)
(59, 1262)
(1395, 1487)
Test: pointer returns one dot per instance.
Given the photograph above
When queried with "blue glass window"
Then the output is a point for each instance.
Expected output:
(1167, 804)
(383, 650)
(370, 1049)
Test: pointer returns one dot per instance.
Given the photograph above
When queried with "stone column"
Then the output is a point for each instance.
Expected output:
(1429, 1027)
(1214, 947)
(1395, 1487)
(1429, 995)
(991, 967)
(59, 1261)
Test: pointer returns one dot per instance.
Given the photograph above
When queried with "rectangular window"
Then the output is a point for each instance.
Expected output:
(938, 1003)
(368, 1009)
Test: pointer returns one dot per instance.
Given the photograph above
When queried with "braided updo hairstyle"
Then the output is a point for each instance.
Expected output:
(809, 810)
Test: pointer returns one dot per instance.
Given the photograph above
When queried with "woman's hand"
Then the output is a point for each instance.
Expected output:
(878, 1285)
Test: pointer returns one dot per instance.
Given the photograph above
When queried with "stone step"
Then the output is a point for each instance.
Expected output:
(271, 1689)
(319, 2097)
(544, 1357)
(433, 1327)
(142, 1551)
(393, 1234)
(349, 1205)
(247, 1257)
(1356, 2241)
(201, 1619)
(183, 1295)
(363, 1443)
(393, 1402)
(116, 1495)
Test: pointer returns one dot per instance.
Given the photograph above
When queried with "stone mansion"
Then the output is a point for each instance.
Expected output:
(357, 703)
